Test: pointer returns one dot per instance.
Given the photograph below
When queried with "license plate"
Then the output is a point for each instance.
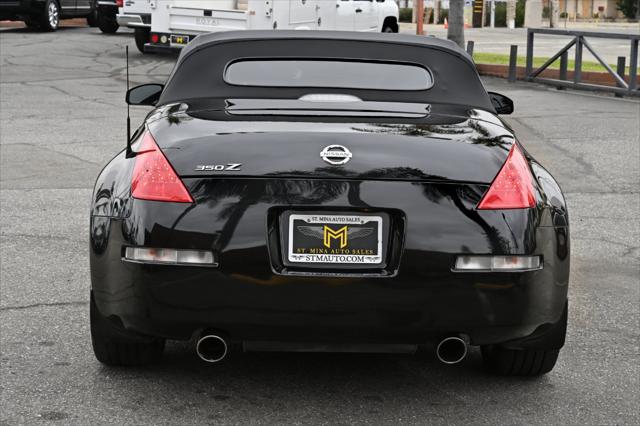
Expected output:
(335, 239)
(179, 39)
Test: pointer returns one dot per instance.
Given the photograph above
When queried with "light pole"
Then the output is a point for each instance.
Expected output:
(420, 17)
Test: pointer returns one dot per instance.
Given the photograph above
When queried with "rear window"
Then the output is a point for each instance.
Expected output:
(328, 73)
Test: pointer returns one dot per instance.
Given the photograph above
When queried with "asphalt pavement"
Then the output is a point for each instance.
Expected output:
(62, 117)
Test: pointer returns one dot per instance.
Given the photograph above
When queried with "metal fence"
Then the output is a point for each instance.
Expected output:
(579, 40)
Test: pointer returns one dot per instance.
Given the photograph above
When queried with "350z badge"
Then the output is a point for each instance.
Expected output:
(218, 167)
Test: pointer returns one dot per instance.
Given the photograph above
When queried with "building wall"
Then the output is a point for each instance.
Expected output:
(586, 8)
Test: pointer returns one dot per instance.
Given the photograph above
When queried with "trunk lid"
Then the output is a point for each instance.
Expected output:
(440, 148)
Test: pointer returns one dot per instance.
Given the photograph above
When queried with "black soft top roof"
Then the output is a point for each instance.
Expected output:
(199, 70)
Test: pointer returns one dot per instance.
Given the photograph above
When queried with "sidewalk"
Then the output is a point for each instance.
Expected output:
(624, 27)
(499, 40)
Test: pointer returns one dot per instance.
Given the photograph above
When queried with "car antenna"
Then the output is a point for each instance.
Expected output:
(129, 151)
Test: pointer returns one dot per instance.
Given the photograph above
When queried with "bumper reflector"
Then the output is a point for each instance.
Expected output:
(167, 256)
(497, 263)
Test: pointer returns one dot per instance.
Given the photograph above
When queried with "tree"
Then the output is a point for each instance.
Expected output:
(554, 13)
(511, 14)
(629, 8)
(455, 32)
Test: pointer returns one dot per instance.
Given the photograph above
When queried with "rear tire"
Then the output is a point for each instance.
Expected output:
(115, 346)
(523, 362)
(142, 37)
(538, 356)
(50, 19)
(107, 21)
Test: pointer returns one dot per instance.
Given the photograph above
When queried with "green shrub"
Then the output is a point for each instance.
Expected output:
(520, 13)
(444, 13)
(501, 14)
(406, 13)
(629, 8)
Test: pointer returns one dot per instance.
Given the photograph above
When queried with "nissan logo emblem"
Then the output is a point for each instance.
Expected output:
(336, 154)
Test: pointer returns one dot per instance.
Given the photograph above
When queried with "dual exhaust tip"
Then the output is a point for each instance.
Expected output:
(452, 350)
(213, 348)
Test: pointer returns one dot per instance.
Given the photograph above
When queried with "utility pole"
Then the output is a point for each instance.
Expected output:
(420, 16)
(455, 32)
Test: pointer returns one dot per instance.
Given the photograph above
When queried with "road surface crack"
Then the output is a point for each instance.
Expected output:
(43, 305)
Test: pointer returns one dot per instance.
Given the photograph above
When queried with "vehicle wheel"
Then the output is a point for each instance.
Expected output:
(107, 21)
(112, 345)
(51, 16)
(387, 29)
(32, 23)
(92, 18)
(519, 362)
(538, 358)
(142, 37)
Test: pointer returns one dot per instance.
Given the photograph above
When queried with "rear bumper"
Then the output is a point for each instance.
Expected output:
(159, 48)
(247, 301)
(133, 21)
(251, 298)
(107, 4)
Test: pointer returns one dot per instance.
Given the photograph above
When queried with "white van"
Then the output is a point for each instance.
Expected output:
(176, 22)
(136, 14)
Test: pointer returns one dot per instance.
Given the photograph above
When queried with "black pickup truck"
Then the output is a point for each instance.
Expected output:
(46, 14)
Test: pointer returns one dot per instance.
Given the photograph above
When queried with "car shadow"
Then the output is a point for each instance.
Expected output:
(267, 380)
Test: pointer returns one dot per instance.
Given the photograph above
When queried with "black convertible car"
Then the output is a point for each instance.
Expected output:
(328, 191)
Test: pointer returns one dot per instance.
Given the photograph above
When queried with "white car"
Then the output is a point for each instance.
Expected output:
(176, 22)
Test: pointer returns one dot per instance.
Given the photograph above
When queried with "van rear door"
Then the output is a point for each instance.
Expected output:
(303, 13)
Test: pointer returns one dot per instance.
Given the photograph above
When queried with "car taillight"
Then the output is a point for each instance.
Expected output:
(513, 186)
(153, 177)
(155, 38)
(119, 3)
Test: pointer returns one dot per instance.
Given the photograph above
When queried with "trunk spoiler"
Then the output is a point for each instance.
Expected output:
(338, 106)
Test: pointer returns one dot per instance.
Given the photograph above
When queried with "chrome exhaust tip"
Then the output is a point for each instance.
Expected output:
(212, 348)
(451, 350)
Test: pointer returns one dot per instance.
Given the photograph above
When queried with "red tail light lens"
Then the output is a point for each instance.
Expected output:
(513, 187)
(119, 3)
(154, 178)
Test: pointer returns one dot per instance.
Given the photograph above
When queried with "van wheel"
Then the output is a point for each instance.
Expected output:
(107, 21)
(50, 19)
(390, 25)
(112, 345)
(142, 37)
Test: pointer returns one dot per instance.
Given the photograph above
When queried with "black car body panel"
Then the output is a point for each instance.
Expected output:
(19, 10)
(426, 175)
